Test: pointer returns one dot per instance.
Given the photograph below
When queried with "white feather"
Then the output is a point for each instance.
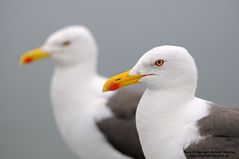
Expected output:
(76, 93)
(168, 112)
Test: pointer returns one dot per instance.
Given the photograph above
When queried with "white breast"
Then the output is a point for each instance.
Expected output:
(166, 128)
(77, 105)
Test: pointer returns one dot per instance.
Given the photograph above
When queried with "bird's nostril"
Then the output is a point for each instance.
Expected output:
(118, 79)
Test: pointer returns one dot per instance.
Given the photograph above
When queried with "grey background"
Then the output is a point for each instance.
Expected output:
(124, 30)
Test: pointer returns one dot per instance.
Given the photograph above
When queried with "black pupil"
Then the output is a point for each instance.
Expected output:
(159, 62)
(66, 43)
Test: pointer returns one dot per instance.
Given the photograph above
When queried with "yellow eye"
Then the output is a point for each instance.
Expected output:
(66, 43)
(159, 62)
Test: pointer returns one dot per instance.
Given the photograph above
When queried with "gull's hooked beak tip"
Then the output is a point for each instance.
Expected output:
(110, 86)
(33, 55)
(25, 60)
(121, 80)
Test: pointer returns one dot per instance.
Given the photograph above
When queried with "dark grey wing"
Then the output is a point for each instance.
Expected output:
(221, 121)
(123, 136)
(221, 131)
(124, 103)
(120, 130)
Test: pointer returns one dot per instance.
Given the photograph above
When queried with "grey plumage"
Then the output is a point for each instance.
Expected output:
(221, 131)
(120, 130)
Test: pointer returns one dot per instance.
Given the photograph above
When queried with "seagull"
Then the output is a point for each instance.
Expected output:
(92, 124)
(172, 123)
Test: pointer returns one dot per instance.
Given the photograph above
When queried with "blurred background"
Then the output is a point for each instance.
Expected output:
(124, 30)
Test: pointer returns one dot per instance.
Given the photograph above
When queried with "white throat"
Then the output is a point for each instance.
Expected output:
(77, 104)
(69, 81)
(166, 121)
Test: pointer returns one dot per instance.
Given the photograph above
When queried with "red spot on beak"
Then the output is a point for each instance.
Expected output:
(28, 60)
(113, 86)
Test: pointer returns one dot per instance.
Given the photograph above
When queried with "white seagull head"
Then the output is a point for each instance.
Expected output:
(162, 67)
(68, 46)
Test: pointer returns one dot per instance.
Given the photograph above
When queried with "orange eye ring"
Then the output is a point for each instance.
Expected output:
(66, 43)
(159, 62)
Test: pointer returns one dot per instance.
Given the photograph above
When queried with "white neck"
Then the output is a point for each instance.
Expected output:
(72, 85)
(77, 103)
(166, 121)
(85, 68)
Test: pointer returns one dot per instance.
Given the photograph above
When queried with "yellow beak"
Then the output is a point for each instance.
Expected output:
(33, 55)
(121, 80)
